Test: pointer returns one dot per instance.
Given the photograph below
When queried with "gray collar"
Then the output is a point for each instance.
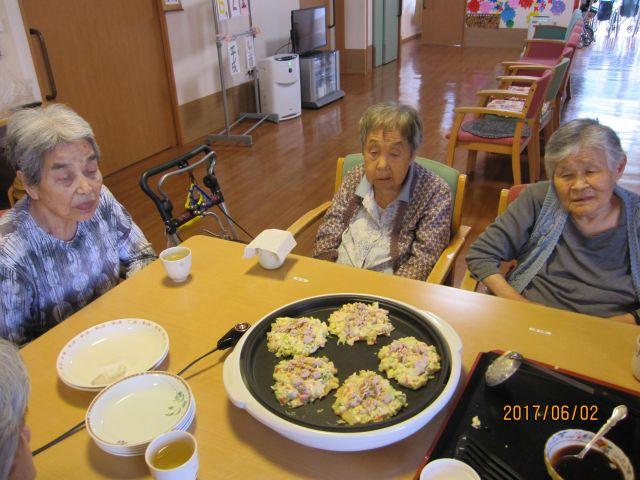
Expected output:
(364, 187)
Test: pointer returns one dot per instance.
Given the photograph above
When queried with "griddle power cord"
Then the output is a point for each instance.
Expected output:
(228, 340)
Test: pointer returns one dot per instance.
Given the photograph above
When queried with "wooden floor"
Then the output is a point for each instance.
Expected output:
(290, 168)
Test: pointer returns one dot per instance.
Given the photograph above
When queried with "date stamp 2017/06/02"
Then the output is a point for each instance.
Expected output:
(554, 413)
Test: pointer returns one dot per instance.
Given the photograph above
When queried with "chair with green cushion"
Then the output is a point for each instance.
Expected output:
(442, 270)
(507, 130)
(550, 117)
(550, 32)
(557, 32)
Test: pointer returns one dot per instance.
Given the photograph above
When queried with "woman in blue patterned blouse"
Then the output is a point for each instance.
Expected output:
(63, 244)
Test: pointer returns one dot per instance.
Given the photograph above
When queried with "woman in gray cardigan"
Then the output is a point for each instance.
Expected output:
(575, 238)
(390, 214)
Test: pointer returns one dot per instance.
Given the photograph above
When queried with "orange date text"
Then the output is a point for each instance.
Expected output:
(554, 413)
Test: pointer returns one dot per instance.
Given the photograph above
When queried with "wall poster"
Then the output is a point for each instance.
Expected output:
(518, 13)
(250, 52)
(223, 9)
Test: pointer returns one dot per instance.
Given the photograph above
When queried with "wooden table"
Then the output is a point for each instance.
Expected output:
(225, 289)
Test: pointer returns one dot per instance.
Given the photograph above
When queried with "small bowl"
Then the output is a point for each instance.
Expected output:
(566, 438)
(177, 268)
(448, 469)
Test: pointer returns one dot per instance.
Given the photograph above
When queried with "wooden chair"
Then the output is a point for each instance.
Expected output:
(557, 32)
(507, 195)
(550, 114)
(514, 145)
(442, 270)
(550, 53)
(15, 192)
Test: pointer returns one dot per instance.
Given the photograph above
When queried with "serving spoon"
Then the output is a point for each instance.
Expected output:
(503, 367)
(619, 413)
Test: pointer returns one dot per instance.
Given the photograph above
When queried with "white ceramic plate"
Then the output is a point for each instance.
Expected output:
(132, 451)
(136, 409)
(110, 351)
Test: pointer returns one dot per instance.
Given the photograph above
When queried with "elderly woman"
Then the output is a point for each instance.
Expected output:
(390, 214)
(63, 244)
(16, 462)
(575, 238)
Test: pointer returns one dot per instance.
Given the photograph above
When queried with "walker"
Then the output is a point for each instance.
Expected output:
(197, 203)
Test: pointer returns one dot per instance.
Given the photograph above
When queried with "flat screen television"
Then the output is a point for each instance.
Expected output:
(308, 29)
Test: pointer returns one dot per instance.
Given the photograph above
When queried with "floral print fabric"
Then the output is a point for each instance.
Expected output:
(43, 280)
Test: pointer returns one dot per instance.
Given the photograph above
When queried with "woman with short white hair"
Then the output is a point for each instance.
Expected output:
(390, 215)
(63, 244)
(575, 238)
(15, 455)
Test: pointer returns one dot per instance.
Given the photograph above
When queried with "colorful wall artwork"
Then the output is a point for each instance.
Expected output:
(517, 13)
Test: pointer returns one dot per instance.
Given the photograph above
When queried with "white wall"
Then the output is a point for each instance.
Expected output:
(193, 48)
(411, 21)
(370, 22)
(562, 19)
(191, 39)
(355, 20)
(16, 66)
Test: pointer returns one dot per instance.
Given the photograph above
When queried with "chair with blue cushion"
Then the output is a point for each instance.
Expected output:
(442, 270)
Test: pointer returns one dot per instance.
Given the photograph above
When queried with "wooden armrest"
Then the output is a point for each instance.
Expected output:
(518, 78)
(448, 257)
(501, 94)
(468, 282)
(489, 111)
(527, 66)
(509, 63)
(11, 195)
(307, 219)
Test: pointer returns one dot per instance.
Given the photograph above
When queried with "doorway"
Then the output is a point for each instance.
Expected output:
(386, 30)
(107, 61)
(443, 22)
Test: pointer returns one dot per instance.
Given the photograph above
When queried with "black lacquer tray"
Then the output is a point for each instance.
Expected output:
(519, 416)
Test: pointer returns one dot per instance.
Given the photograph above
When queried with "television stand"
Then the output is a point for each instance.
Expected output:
(320, 78)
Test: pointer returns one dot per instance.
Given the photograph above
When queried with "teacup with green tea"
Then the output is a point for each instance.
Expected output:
(177, 263)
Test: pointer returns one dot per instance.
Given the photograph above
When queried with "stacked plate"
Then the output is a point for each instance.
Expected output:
(126, 416)
(110, 351)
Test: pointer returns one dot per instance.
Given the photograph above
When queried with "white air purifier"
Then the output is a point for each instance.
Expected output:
(280, 86)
